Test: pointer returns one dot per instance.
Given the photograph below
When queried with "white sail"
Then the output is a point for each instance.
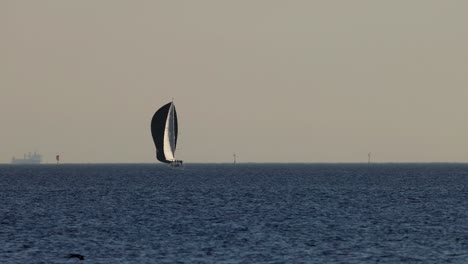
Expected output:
(169, 135)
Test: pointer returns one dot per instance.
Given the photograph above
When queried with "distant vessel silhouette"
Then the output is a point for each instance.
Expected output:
(29, 158)
(164, 130)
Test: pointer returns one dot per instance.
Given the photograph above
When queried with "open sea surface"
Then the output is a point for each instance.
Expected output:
(221, 213)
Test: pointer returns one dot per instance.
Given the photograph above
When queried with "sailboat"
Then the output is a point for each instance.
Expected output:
(164, 130)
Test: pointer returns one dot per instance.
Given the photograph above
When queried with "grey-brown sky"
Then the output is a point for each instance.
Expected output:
(274, 81)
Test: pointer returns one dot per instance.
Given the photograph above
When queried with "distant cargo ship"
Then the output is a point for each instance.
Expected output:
(28, 159)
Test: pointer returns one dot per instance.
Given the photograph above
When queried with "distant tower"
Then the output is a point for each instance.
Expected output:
(234, 156)
(369, 157)
(57, 158)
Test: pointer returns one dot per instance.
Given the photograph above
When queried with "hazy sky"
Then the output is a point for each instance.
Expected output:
(273, 81)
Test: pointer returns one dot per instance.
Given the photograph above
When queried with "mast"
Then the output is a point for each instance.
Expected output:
(369, 157)
(234, 156)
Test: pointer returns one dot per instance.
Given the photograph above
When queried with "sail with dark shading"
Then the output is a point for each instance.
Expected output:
(164, 129)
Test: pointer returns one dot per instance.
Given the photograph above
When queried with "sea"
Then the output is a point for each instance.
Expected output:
(243, 213)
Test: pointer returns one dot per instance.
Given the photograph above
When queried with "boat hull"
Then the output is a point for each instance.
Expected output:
(25, 162)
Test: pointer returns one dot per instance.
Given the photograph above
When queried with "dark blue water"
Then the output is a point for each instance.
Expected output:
(342, 213)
